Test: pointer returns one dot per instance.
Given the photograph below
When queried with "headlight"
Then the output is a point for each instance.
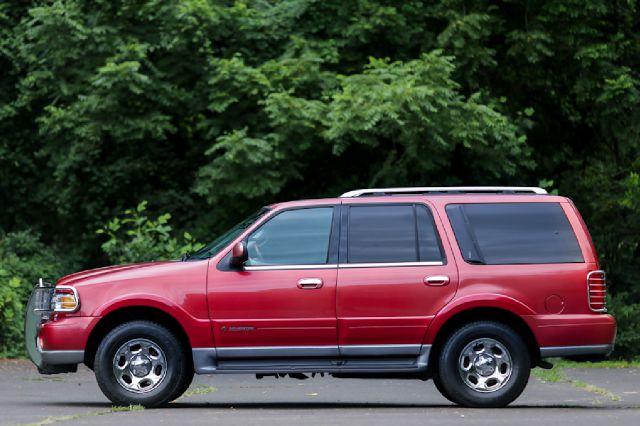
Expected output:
(65, 299)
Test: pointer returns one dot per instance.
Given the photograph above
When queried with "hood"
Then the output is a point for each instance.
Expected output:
(110, 272)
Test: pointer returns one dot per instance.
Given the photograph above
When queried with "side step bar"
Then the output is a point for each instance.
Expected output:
(205, 361)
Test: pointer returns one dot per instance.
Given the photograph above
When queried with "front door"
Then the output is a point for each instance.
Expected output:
(282, 303)
(393, 278)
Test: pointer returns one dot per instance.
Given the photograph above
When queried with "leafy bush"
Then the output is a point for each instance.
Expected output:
(137, 237)
(23, 259)
(627, 314)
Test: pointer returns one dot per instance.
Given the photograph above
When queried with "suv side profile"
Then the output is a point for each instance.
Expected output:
(468, 286)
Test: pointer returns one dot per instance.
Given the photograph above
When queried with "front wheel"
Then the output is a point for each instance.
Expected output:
(484, 364)
(141, 362)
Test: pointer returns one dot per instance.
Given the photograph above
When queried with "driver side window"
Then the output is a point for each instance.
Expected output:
(293, 237)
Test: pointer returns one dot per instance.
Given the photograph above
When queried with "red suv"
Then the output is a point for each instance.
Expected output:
(468, 286)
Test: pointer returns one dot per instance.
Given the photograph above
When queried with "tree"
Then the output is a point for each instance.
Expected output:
(210, 108)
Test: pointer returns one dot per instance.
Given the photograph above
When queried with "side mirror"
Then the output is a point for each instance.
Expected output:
(239, 255)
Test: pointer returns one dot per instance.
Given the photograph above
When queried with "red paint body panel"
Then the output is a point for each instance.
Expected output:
(70, 333)
(178, 288)
(357, 306)
(271, 304)
(391, 305)
(572, 330)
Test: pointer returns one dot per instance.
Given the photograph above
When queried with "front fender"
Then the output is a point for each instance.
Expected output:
(198, 330)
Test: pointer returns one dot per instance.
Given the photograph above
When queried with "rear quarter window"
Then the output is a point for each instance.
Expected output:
(514, 233)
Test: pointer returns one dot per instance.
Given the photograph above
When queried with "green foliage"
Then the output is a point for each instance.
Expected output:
(209, 109)
(23, 260)
(137, 238)
(626, 309)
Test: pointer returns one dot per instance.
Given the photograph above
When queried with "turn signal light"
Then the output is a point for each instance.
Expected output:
(65, 299)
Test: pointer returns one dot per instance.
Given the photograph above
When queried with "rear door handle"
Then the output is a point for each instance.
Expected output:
(309, 283)
(436, 280)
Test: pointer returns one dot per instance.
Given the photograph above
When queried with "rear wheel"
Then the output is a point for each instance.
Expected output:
(484, 364)
(141, 362)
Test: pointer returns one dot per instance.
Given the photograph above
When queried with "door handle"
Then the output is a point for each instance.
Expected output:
(309, 283)
(436, 280)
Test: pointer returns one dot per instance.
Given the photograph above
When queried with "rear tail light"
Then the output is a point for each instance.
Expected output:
(597, 291)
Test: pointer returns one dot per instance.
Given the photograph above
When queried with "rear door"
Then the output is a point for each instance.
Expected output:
(393, 277)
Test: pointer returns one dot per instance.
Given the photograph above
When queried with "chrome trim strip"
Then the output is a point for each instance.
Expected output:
(342, 265)
(444, 189)
(380, 350)
(62, 357)
(551, 351)
(281, 267)
(277, 351)
(390, 264)
(309, 351)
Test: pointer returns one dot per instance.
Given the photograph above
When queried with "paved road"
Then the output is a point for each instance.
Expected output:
(74, 399)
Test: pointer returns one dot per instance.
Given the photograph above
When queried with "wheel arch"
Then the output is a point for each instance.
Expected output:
(125, 314)
(470, 315)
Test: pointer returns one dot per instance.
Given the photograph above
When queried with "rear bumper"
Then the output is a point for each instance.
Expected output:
(564, 351)
(573, 335)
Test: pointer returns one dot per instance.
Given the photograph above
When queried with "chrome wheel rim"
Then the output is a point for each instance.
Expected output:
(139, 365)
(485, 365)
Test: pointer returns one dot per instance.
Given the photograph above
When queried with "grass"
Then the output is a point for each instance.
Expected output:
(194, 390)
(198, 390)
(69, 417)
(116, 409)
(595, 389)
(614, 363)
(556, 375)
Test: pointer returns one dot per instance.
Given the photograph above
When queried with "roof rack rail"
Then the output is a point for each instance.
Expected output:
(446, 190)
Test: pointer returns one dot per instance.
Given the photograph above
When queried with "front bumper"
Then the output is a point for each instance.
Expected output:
(57, 358)
(48, 361)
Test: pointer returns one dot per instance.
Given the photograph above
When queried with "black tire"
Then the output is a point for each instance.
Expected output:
(187, 379)
(489, 340)
(438, 382)
(163, 368)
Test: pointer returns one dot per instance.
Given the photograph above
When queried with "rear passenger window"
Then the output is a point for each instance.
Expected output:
(514, 233)
(392, 234)
(428, 241)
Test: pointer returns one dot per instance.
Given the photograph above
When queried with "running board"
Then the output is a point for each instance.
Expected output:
(205, 361)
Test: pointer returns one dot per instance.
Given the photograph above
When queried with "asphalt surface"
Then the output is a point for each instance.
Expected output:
(75, 399)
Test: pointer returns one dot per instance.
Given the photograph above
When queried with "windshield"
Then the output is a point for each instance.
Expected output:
(224, 239)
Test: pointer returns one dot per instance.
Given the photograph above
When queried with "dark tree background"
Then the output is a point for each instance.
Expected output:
(210, 109)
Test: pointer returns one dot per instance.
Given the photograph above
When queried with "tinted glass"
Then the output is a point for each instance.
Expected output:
(294, 237)
(428, 241)
(515, 233)
(382, 234)
(219, 243)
